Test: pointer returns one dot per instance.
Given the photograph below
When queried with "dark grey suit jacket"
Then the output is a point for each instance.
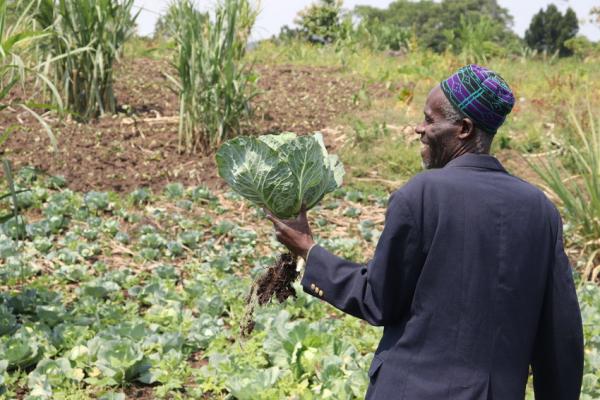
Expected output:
(472, 284)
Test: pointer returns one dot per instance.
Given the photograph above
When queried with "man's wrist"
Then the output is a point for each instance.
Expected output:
(305, 256)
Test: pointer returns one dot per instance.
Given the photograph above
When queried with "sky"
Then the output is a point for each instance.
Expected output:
(276, 13)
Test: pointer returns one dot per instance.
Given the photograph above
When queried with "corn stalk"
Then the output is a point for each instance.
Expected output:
(87, 38)
(215, 86)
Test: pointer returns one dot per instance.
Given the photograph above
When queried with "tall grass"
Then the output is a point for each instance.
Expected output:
(574, 180)
(90, 35)
(16, 39)
(215, 86)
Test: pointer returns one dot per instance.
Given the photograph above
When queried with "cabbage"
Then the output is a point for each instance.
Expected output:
(280, 172)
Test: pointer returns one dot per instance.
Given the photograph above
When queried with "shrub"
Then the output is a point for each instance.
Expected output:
(582, 47)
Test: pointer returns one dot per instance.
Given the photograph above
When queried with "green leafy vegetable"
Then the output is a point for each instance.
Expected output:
(280, 172)
(119, 360)
(21, 350)
(8, 322)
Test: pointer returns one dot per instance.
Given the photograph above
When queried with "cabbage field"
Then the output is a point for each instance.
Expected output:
(141, 296)
(126, 259)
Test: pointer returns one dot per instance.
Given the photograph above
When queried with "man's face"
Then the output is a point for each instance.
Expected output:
(438, 135)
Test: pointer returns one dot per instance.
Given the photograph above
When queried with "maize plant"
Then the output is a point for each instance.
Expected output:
(89, 34)
(215, 86)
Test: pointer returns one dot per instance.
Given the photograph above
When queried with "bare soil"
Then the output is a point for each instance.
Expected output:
(139, 146)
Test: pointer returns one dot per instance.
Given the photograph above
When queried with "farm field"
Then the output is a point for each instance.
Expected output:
(141, 286)
(127, 272)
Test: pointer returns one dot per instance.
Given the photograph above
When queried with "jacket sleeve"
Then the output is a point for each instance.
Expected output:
(558, 353)
(380, 291)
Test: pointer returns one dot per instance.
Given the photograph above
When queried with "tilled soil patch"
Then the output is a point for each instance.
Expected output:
(139, 146)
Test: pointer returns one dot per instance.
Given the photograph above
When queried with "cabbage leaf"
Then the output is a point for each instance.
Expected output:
(280, 172)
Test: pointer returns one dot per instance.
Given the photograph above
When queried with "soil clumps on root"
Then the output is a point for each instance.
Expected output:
(275, 282)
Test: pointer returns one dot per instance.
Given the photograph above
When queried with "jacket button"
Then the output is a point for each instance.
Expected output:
(320, 293)
(312, 286)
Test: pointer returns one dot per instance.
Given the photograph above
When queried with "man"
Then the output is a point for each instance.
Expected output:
(469, 277)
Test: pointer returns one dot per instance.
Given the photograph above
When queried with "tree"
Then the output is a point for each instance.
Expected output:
(595, 14)
(550, 29)
(322, 19)
(166, 25)
(438, 23)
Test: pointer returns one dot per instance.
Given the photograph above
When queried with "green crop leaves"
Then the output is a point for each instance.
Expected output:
(115, 323)
(280, 172)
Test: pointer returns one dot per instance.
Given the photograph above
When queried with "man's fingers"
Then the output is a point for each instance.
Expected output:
(279, 224)
(272, 218)
(267, 213)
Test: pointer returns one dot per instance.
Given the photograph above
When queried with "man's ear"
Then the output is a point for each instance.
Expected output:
(467, 129)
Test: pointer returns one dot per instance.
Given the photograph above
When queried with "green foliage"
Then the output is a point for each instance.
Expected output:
(581, 47)
(11, 65)
(22, 349)
(87, 38)
(166, 25)
(173, 326)
(17, 38)
(477, 39)
(550, 29)
(170, 283)
(575, 181)
(595, 14)
(378, 36)
(214, 85)
(322, 19)
(119, 360)
(52, 373)
(437, 25)
(280, 172)
(8, 321)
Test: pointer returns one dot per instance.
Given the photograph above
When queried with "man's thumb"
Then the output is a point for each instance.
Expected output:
(302, 215)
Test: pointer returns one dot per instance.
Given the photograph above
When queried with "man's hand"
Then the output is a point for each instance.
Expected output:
(295, 234)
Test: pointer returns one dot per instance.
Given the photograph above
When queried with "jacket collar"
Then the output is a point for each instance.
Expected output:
(473, 160)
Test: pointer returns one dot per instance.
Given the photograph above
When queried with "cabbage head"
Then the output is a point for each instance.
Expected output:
(280, 172)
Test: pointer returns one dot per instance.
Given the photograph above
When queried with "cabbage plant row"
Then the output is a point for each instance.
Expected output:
(103, 295)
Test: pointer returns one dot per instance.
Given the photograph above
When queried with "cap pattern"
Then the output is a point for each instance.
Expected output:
(481, 94)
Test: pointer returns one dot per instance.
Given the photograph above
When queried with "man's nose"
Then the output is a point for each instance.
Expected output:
(419, 129)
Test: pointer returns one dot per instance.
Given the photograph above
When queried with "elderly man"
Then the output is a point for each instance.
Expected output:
(469, 277)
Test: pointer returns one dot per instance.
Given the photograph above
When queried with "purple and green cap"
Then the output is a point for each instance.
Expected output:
(481, 94)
